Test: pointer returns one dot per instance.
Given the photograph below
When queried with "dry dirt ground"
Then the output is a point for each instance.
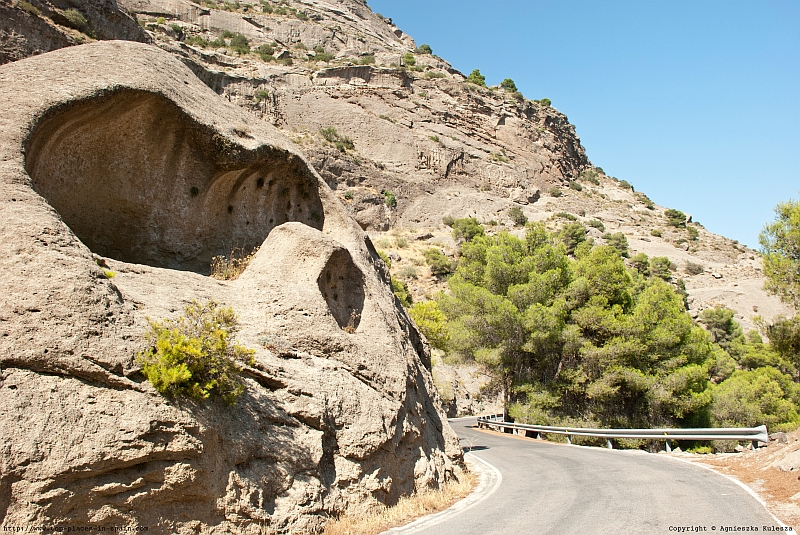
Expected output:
(773, 472)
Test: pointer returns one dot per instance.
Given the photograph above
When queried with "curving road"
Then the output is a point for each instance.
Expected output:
(562, 489)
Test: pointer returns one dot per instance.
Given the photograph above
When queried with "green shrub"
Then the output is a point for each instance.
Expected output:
(432, 322)
(409, 60)
(240, 44)
(509, 85)
(343, 143)
(29, 8)
(693, 233)
(438, 261)
(448, 220)
(261, 95)
(434, 74)
(590, 175)
(77, 20)
(597, 224)
(575, 186)
(675, 218)
(555, 192)
(424, 49)
(321, 55)
(755, 397)
(435, 139)
(196, 40)
(408, 272)
(655, 232)
(266, 50)
(177, 28)
(348, 195)
(195, 355)
(565, 215)
(546, 102)
(693, 269)
(467, 228)
(572, 234)
(497, 157)
(641, 263)
(227, 34)
(517, 216)
(400, 289)
(624, 184)
(266, 7)
(661, 267)
(385, 257)
(401, 242)
(389, 198)
(369, 59)
(475, 77)
(618, 241)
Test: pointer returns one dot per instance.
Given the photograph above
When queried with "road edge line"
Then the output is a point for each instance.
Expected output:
(744, 486)
(490, 480)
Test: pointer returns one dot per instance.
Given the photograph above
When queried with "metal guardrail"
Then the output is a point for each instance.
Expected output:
(754, 434)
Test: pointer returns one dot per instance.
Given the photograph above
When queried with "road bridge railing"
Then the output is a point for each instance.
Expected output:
(753, 434)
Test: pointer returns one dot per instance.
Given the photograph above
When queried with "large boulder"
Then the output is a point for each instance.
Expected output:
(115, 157)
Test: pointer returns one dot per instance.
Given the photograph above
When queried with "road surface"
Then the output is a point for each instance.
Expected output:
(562, 489)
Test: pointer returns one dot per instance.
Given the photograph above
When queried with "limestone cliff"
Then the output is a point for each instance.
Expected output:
(115, 154)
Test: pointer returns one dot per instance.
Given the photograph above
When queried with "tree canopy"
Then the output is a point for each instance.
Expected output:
(572, 335)
(780, 243)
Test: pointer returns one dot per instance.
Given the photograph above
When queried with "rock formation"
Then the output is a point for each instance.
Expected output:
(121, 176)
(29, 28)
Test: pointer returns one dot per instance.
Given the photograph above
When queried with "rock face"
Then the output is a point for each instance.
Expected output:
(38, 26)
(115, 154)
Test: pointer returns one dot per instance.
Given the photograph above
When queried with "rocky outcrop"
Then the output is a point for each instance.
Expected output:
(30, 28)
(115, 154)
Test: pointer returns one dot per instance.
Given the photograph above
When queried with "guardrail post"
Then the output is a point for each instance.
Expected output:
(538, 436)
(569, 439)
(608, 443)
(669, 450)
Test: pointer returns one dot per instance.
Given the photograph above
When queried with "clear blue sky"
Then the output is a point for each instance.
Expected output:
(695, 103)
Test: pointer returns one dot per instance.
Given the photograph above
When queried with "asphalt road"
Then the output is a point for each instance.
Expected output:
(563, 489)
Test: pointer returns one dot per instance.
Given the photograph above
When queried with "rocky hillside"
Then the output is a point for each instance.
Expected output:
(378, 117)
(122, 177)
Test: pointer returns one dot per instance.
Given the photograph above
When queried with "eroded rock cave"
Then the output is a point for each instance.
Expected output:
(138, 180)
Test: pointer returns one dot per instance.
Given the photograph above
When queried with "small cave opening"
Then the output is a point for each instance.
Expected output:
(139, 180)
(342, 285)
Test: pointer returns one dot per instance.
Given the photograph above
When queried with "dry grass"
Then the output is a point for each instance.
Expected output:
(230, 266)
(407, 510)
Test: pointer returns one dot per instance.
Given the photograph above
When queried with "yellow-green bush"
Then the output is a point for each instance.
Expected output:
(195, 355)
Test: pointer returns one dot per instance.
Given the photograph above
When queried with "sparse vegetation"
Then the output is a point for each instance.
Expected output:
(555, 192)
(29, 8)
(78, 20)
(448, 220)
(509, 85)
(389, 198)
(517, 216)
(655, 232)
(694, 234)
(624, 184)
(343, 143)
(439, 263)
(575, 186)
(435, 74)
(406, 510)
(467, 228)
(230, 266)
(661, 267)
(475, 77)
(693, 269)
(424, 49)
(618, 241)
(368, 59)
(409, 60)
(195, 355)
(497, 157)
(596, 224)
(400, 290)
(675, 218)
